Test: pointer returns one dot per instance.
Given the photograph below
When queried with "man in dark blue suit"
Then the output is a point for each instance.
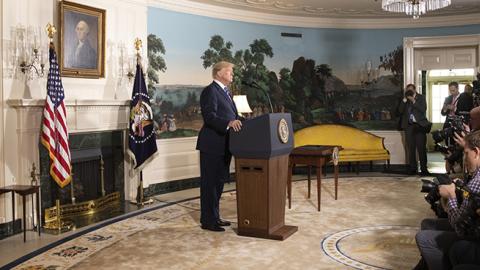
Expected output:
(219, 115)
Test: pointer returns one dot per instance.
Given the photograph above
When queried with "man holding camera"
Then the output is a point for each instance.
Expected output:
(437, 236)
(455, 107)
(412, 110)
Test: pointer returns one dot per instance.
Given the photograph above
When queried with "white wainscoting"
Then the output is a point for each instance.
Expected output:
(394, 142)
(178, 158)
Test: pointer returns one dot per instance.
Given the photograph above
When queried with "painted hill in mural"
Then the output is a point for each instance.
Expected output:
(314, 95)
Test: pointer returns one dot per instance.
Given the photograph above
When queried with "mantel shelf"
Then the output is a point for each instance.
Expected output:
(19, 103)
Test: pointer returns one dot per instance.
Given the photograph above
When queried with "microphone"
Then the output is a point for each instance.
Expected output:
(254, 84)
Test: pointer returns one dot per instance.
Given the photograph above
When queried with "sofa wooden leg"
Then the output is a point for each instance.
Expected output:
(336, 180)
(309, 180)
(319, 185)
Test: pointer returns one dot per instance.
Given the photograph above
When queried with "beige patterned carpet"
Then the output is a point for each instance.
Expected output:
(371, 226)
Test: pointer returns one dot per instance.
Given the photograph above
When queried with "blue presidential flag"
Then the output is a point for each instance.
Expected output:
(142, 144)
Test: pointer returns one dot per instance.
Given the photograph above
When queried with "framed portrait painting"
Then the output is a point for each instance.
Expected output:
(82, 41)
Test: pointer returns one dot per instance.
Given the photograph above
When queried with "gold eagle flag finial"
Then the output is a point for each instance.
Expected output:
(138, 46)
(51, 30)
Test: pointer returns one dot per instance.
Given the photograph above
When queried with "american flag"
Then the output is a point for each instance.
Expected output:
(54, 126)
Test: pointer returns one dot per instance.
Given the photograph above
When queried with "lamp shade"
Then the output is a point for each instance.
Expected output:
(242, 104)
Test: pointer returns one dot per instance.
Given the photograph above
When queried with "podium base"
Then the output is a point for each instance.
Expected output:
(280, 234)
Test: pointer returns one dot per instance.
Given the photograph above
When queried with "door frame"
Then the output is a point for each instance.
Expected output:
(410, 44)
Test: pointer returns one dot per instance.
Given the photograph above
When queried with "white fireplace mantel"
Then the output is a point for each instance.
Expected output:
(82, 115)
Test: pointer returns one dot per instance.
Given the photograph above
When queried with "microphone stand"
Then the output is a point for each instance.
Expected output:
(256, 85)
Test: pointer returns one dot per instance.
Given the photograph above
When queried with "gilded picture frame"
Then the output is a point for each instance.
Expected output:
(82, 41)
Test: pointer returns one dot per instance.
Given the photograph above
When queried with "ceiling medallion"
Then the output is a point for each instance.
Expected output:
(414, 8)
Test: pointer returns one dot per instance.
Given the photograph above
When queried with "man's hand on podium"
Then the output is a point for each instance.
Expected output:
(235, 124)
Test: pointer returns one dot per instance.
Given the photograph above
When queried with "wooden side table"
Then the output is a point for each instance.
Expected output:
(24, 190)
(312, 155)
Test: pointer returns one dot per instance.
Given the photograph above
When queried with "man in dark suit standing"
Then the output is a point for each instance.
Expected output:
(412, 111)
(449, 107)
(219, 115)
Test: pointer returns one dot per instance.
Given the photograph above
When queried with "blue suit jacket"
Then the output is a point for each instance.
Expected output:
(217, 111)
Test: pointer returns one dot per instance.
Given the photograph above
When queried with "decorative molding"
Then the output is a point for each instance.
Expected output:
(220, 12)
(328, 9)
(412, 43)
(135, 2)
(3, 206)
(69, 103)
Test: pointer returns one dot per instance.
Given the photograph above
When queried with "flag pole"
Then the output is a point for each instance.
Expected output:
(140, 199)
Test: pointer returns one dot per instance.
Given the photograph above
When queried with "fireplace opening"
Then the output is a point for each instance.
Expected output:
(97, 161)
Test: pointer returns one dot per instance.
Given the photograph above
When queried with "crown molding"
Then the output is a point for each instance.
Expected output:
(218, 12)
(136, 2)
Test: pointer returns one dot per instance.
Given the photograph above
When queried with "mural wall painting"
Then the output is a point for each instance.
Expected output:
(309, 91)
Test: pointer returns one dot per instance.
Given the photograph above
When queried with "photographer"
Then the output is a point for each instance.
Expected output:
(412, 111)
(465, 100)
(474, 122)
(438, 235)
(450, 107)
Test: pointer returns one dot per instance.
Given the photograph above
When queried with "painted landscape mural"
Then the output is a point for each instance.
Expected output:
(327, 76)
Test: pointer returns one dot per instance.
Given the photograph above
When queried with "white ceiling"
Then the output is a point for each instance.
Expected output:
(345, 9)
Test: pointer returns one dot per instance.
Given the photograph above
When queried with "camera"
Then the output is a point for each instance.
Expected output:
(409, 93)
(468, 224)
(446, 150)
(455, 125)
(433, 195)
(431, 187)
(476, 91)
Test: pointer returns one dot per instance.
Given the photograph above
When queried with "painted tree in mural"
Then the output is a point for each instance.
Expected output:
(249, 65)
(393, 61)
(155, 59)
(304, 92)
(252, 69)
(287, 83)
(156, 64)
(322, 72)
(219, 51)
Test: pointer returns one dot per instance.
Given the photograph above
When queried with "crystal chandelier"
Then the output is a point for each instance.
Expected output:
(414, 8)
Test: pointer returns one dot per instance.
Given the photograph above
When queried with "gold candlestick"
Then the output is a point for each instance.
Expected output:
(34, 175)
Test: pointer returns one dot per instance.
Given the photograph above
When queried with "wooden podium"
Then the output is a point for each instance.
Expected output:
(261, 151)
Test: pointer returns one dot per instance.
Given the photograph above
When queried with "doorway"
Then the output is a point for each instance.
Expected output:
(436, 85)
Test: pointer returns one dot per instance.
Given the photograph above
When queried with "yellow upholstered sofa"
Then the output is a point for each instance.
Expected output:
(358, 145)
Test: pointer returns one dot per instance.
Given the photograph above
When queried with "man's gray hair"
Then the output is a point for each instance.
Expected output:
(219, 66)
